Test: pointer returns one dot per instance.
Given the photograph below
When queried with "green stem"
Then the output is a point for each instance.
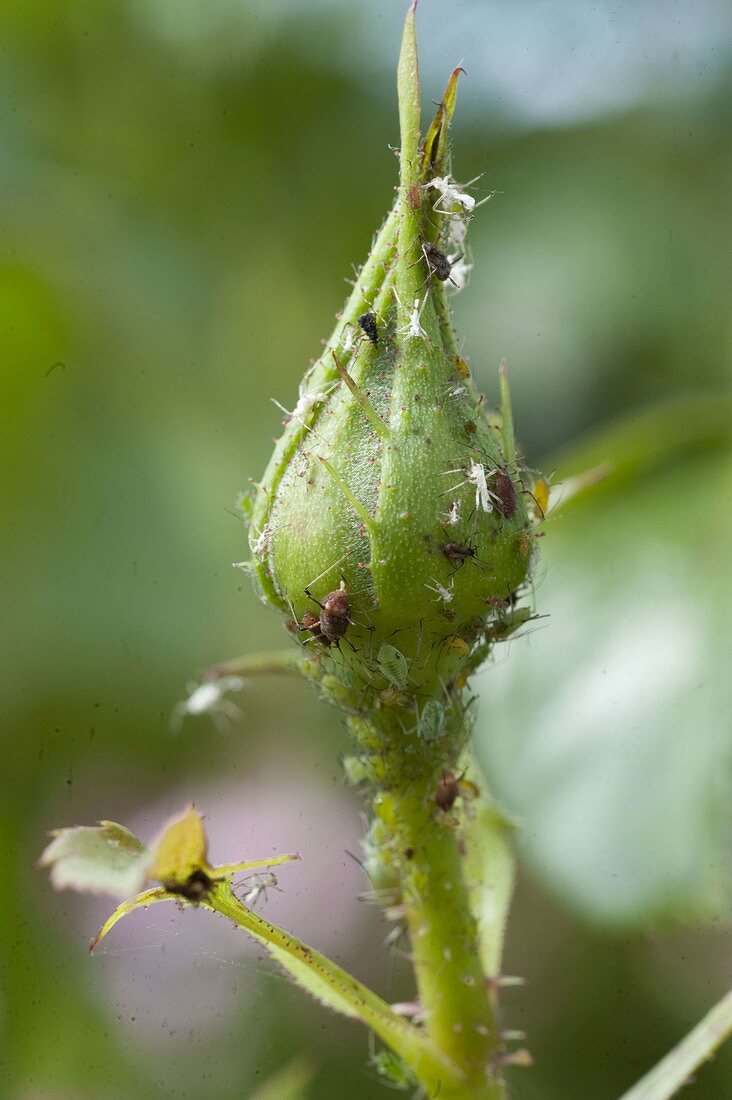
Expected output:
(425, 849)
(672, 1073)
(460, 1014)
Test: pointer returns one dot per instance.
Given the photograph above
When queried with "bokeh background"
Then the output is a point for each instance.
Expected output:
(184, 186)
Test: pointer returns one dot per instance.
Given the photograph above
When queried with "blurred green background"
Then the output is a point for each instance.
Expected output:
(184, 187)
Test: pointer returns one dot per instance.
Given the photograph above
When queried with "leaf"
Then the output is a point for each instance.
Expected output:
(408, 93)
(435, 148)
(637, 444)
(607, 730)
(140, 901)
(673, 1071)
(490, 873)
(97, 859)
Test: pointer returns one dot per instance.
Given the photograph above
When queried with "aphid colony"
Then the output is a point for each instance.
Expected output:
(457, 206)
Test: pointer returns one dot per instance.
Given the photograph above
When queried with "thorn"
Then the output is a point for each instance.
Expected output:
(504, 981)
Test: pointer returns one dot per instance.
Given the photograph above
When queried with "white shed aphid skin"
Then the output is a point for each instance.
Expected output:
(413, 326)
(478, 478)
(445, 595)
(306, 402)
(460, 270)
(261, 543)
(450, 195)
(452, 199)
(208, 698)
(452, 517)
(348, 340)
(258, 885)
(483, 495)
(457, 232)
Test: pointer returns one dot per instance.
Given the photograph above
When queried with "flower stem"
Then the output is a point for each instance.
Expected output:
(423, 845)
(460, 1013)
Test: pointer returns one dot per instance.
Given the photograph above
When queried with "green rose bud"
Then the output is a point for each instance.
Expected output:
(391, 525)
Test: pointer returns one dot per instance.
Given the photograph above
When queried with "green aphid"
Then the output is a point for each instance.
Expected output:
(393, 1068)
(431, 724)
(393, 665)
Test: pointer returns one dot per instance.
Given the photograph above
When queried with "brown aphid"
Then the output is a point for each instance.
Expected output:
(497, 603)
(414, 196)
(334, 619)
(446, 791)
(505, 493)
(437, 261)
(335, 614)
(470, 426)
(311, 623)
(456, 552)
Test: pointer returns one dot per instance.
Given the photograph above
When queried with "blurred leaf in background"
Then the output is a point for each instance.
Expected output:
(171, 170)
(607, 730)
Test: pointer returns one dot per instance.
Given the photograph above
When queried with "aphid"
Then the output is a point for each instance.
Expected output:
(260, 885)
(506, 625)
(413, 326)
(367, 322)
(450, 787)
(414, 196)
(437, 261)
(261, 544)
(447, 790)
(456, 552)
(311, 623)
(446, 595)
(452, 518)
(470, 427)
(305, 403)
(540, 494)
(504, 494)
(450, 195)
(483, 495)
(454, 641)
(497, 604)
(457, 231)
(347, 340)
(431, 723)
(208, 698)
(393, 665)
(334, 619)
(391, 1067)
(461, 366)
